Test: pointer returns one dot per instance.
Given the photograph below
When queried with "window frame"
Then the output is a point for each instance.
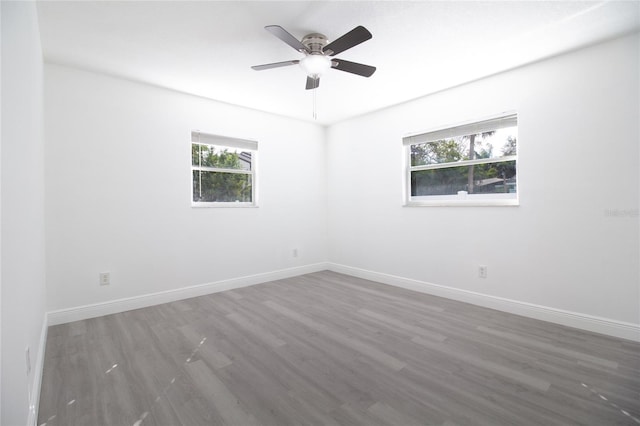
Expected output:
(460, 129)
(201, 138)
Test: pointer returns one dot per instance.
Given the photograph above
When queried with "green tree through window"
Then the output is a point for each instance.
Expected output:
(474, 160)
(221, 174)
(475, 179)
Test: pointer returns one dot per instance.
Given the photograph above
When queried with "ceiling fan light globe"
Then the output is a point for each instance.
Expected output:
(315, 65)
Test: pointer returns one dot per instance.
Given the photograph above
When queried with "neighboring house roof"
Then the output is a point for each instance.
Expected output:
(245, 160)
(489, 181)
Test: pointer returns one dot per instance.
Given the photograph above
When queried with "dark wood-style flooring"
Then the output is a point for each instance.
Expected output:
(329, 349)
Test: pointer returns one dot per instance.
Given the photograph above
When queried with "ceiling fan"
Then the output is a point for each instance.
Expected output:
(319, 53)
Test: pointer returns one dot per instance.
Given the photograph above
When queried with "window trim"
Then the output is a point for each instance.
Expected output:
(460, 200)
(202, 138)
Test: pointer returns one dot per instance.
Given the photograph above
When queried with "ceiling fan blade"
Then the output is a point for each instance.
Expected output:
(352, 38)
(275, 65)
(353, 67)
(283, 35)
(313, 83)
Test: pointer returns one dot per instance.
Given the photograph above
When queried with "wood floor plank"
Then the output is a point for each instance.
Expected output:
(387, 320)
(330, 349)
(363, 348)
(218, 395)
(552, 348)
(258, 331)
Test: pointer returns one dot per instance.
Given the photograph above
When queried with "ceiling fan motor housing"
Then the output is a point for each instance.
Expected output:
(315, 43)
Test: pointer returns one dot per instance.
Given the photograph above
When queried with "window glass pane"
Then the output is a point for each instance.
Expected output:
(444, 151)
(195, 154)
(220, 157)
(492, 144)
(493, 178)
(439, 181)
(221, 187)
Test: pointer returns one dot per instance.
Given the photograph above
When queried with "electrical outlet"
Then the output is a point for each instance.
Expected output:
(27, 356)
(105, 278)
(482, 271)
(294, 252)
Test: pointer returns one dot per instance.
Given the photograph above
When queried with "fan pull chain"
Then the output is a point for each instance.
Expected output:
(315, 104)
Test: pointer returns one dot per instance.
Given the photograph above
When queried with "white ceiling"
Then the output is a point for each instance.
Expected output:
(206, 48)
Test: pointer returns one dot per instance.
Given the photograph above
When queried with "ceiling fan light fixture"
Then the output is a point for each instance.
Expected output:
(315, 65)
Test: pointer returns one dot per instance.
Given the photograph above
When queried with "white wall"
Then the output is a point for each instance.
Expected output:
(22, 252)
(578, 162)
(118, 188)
(0, 216)
(117, 173)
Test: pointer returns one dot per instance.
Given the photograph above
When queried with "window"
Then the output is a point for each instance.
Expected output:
(468, 164)
(223, 171)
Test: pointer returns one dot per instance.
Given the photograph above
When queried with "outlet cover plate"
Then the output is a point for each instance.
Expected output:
(105, 278)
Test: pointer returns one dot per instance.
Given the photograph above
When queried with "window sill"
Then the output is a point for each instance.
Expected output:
(464, 202)
(223, 205)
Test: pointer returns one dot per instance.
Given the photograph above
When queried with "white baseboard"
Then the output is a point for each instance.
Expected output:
(38, 368)
(78, 313)
(595, 324)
